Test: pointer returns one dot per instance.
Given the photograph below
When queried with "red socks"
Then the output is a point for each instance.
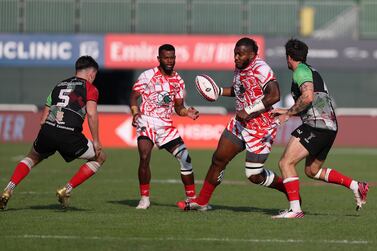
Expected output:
(20, 173)
(292, 186)
(190, 190)
(82, 174)
(144, 189)
(205, 193)
(338, 178)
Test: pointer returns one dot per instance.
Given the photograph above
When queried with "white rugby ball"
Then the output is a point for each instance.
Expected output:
(207, 87)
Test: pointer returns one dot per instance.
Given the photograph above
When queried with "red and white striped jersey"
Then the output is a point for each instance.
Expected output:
(248, 86)
(159, 92)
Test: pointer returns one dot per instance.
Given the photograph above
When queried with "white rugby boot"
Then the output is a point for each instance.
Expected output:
(144, 203)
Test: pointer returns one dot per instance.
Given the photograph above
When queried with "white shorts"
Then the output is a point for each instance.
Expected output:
(158, 130)
(256, 141)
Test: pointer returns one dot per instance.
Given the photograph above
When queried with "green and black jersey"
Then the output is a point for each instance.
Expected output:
(67, 103)
(320, 114)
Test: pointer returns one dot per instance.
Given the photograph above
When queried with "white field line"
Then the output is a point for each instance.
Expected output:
(110, 238)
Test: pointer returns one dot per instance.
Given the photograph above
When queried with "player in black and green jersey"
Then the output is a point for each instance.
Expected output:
(314, 138)
(61, 130)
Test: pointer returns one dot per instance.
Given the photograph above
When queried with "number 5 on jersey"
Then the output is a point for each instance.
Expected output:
(64, 96)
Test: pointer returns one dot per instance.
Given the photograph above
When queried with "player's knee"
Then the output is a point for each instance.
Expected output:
(253, 171)
(144, 156)
(184, 159)
(218, 160)
(284, 164)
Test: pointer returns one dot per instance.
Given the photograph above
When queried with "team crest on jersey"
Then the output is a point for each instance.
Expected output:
(164, 98)
(59, 117)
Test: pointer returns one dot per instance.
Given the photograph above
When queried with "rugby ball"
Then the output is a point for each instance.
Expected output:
(207, 87)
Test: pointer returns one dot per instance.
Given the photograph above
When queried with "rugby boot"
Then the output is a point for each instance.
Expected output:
(4, 199)
(63, 197)
(144, 203)
(288, 214)
(361, 195)
(188, 204)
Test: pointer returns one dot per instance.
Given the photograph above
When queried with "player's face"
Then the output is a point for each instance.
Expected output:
(167, 61)
(289, 62)
(243, 55)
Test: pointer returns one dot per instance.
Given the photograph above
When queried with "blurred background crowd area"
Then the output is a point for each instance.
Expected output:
(341, 33)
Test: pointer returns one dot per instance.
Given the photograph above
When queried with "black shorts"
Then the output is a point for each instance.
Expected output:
(70, 145)
(318, 142)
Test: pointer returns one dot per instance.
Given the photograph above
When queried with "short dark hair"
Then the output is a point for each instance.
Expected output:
(296, 49)
(165, 47)
(248, 42)
(85, 62)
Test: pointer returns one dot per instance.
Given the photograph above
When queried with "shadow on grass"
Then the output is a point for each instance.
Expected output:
(134, 203)
(52, 207)
(130, 203)
(268, 211)
(58, 208)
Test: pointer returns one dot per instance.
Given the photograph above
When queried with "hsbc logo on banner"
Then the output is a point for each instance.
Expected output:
(192, 51)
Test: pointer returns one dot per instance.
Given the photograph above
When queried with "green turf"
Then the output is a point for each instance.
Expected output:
(103, 216)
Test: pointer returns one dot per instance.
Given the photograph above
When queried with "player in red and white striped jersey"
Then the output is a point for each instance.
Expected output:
(253, 128)
(162, 90)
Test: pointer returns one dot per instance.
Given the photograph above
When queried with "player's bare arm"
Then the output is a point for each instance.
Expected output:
(46, 110)
(134, 107)
(271, 95)
(91, 109)
(181, 110)
(306, 98)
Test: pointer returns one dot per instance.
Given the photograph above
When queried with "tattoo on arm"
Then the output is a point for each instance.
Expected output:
(304, 100)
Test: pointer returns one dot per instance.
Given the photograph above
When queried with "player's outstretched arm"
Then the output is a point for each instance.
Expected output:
(181, 110)
(91, 109)
(134, 107)
(306, 98)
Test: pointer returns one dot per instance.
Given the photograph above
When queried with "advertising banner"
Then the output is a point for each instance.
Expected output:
(335, 54)
(139, 51)
(193, 51)
(19, 126)
(48, 50)
(116, 130)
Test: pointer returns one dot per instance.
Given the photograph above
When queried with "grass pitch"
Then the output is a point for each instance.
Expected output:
(103, 215)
